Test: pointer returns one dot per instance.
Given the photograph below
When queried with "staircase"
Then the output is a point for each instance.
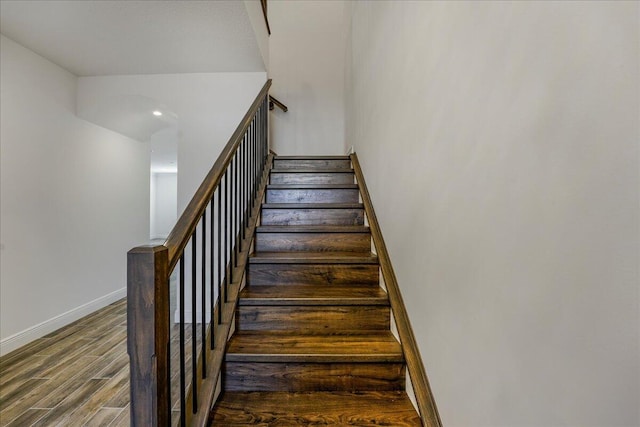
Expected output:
(312, 342)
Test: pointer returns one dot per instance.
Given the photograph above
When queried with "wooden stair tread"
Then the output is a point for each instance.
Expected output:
(312, 229)
(313, 295)
(312, 206)
(312, 186)
(312, 158)
(304, 257)
(374, 408)
(312, 170)
(264, 346)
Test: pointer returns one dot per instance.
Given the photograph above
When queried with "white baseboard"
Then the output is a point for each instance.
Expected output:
(15, 341)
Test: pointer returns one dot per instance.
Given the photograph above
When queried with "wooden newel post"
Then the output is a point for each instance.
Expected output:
(148, 335)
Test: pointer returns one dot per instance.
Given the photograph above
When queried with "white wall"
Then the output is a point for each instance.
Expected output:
(164, 198)
(500, 145)
(207, 109)
(306, 63)
(259, 26)
(74, 199)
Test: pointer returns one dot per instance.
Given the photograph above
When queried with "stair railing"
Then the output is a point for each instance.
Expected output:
(417, 373)
(175, 363)
(273, 102)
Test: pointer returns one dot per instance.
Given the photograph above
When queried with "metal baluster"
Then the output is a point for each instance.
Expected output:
(232, 223)
(260, 155)
(194, 358)
(266, 140)
(203, 290)
(245, 199)
(236, 229)
(243, 145)
(248, 174)
(183, 403)
(226, 230)
(212, 299)
(253, 173)
(219, 254)
(170, 405)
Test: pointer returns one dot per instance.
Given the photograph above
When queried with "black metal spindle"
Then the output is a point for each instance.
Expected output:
(249, 174)
(212, 298)
(243, 146)
(236, 229)
(170, 403)
(219, 252)
(183, 368)
(260, 170)
(259, 149)
(203, 291)
(226, 230)
(253, 173)
(194, 325)
(255, 170)
(232, 223)
(245, 199)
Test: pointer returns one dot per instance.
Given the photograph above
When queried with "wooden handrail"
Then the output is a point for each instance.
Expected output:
(264, 13)
(181, 233)
(422, 390)
(279, 104)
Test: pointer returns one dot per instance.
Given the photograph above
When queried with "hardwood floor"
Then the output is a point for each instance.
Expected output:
(77, 375)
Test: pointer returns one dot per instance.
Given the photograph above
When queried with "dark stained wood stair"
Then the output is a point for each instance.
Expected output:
(312, 342)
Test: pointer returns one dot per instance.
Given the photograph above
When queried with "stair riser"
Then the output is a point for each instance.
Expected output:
(313, 319)
(312, 178)
(330, 216)
(316, 242)
(313, 274)
(299, 377)
(312, 164)
(337, 195)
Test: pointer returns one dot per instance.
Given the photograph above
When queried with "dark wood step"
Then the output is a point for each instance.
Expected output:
(312, 214)
(313, 258)
(347, 242)
(328, 157)
(312, 229)
(337, 162)
(313, 295)
(278, 347)
(259, 376)
(313, 274)
(313, 193)
(311, 176)
(383, 408)
(327, 319)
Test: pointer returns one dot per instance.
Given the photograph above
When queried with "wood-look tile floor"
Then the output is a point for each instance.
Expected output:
(75, 376)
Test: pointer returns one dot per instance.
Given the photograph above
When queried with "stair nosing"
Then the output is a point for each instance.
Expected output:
(286, 355)
(312, 186)
(275, 301)
(312, 206)
(312, 158)
(356, 229)
(285, 295)
(318, 170)
(293, 257)
(315, 357)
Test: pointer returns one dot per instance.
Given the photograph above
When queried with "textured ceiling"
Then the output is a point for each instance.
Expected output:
(92, 38)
